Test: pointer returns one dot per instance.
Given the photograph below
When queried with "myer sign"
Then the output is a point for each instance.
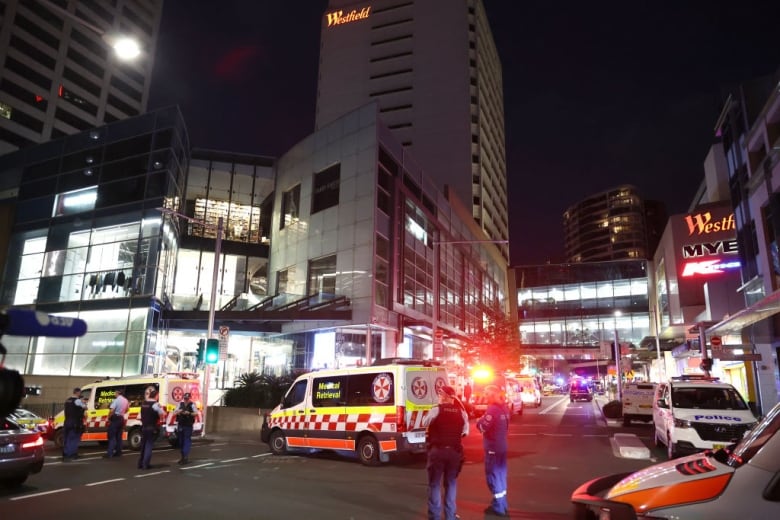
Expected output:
(338, 17)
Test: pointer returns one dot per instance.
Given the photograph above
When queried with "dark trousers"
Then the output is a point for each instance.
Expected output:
(443, 465)
(148, 436)
(115, 429)
(495, 474)
(185, 440)
(72, 438)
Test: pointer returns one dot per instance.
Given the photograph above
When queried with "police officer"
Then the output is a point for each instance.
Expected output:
(185, 418)
(494, 426)
(151, 411)
(74, 424)
(116, 423)
(447, 423)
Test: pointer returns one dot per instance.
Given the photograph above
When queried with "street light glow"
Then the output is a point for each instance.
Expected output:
(126, 48)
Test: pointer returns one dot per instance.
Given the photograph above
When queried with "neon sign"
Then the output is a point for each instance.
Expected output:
(709, 248)
(338, 17)
(702, 224)
(708, 268)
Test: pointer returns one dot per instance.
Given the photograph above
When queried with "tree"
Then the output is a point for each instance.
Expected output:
(497, 344)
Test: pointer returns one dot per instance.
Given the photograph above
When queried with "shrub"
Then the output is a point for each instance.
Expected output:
(613, 410)
(256, 390)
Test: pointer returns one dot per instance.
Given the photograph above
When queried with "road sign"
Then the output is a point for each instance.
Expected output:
(224, 335)
(716, 343)
(438, 343)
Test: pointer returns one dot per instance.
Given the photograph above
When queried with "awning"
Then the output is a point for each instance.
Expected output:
(762, 309)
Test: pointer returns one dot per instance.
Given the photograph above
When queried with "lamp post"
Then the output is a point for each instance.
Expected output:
(618, 360)
(657, 327)
(213, 297)
(125, 48)
(437, 279)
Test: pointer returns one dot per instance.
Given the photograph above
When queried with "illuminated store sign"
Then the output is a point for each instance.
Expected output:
(708, 267)
(720, 247)
(338, 17)
(702, 224)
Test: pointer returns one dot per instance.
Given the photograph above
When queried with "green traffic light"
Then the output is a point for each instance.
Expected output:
(212, 351)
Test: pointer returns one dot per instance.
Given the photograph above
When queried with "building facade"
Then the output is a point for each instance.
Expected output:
(616, 224)
(432, 68)
(58, 75)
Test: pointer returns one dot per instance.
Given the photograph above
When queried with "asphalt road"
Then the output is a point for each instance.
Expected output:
(553, 449)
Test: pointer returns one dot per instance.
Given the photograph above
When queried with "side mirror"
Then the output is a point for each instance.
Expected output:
(662, 403)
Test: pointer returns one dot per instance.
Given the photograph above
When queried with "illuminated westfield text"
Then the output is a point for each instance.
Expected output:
(702, 224)
(338, 17)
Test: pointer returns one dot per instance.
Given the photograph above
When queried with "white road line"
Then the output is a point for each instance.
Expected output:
(233, 460)
(33, 495)
(557, 403)
(142, 475)
(260, 455)
(199, 466)
(557, 434)
(104, 482)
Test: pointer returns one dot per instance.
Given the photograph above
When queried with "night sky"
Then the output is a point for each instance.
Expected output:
(596, 93)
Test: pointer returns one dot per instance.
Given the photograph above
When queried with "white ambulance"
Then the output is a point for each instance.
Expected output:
(741, 481)
(170, 387)
(370, 412)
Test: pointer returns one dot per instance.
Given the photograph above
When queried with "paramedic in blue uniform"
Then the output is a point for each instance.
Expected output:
(447, 423)
(151, 411)
(116, 423)
(75, 406)
(494, 426)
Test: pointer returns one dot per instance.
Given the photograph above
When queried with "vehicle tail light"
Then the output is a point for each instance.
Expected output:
(400, 419)
(33, 444)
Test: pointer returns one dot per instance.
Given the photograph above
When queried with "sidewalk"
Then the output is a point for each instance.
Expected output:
(626, 445)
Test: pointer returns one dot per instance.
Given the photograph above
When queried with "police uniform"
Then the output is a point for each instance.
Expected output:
(150, 414)
(116, 425)
(447, 424)
(73, 426)
(185, 419)
(494, 426)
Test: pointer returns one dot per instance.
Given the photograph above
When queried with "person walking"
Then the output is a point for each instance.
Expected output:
(151, 411)
(446, 424)
(185, 419)
(494, 426)
(75, 406)
(116, 423)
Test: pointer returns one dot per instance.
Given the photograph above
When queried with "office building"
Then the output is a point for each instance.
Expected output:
(59, 76)
(616, 224)
(432, 68)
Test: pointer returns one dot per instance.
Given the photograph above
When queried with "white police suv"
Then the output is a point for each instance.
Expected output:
(695, 413)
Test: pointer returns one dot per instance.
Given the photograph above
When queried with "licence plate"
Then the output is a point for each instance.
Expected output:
(718, 446)
(8, 448)
(415, 437)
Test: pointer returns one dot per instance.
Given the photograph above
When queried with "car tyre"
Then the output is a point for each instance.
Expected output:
(59, 438)
(14, 482)
(134, 439)
(368, 450)
(278, 443)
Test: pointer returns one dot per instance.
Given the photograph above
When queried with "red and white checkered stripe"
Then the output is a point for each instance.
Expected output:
(377, 422)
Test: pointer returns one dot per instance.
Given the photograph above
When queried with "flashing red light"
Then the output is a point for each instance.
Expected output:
(482, 374)
(60, 91)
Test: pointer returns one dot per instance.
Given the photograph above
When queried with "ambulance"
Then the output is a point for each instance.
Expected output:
(171, 388)
(741, 481)
(369, 412)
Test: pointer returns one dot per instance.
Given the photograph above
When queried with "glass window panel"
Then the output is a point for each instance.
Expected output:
(32, 266)
(26, 291)
(52, 365)
(96, 365)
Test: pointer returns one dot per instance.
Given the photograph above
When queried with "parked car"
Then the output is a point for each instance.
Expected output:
(21, 453)
(740, 481)
(638, 402)
(32, 422)
(531, 391)
(580, 390)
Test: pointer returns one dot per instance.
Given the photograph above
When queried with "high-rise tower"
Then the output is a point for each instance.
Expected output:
(433, 69)
(58, 75)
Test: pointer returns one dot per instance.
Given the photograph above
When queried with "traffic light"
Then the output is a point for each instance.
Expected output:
(201, 350)
(212, 351)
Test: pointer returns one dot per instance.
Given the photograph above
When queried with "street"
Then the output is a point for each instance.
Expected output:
(553, 449)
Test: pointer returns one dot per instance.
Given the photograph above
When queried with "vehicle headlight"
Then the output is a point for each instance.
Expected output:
(682, 423)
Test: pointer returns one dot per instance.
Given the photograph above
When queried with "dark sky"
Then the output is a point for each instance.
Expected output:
(596, 94)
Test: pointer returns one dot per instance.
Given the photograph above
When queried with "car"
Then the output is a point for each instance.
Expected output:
(33, 422)
(695, 413)
(21, 453)
(638, 402)
(531, 391)
(740, 481)
(580, 390)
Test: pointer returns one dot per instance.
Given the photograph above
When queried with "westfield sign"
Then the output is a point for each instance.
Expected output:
(339, 18)
(702, 224)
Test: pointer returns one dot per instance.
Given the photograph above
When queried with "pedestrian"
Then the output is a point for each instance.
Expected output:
(467, 393)
(75, 406)
(494, 426)
(185, 419)
(446, 424)
(116, 423)
(151, 411)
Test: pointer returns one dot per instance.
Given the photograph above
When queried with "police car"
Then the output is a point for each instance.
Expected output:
(695, 413)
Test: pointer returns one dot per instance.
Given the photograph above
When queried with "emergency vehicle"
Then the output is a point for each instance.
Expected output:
(694, 413)
(638, 402)
(170, 387)
(742, 481)
(483, 376)
(370, 412)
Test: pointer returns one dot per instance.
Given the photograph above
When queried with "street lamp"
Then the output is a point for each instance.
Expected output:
(618, 359)
(213, 297)
(125, 48)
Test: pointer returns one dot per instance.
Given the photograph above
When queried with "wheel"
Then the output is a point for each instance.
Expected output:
(13, 482)
(174, 442)
(626, 420)
(59, 438)
(278, 443)
(134, 439)
(368, 450)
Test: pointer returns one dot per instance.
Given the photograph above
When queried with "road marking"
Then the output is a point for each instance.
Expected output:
(547, 409)
(557, 434)
(547, 467)
(33, 495)
(142, 475)
(233, 460)
(261, 455)
(104, 482)
(199, 466)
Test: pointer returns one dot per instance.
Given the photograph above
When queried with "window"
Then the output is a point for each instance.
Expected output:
(329, 391)
(371, 389)
(76, 201)
(284, 279)
(322, 275)
(325, 193)
(296, 395)
(291, 201)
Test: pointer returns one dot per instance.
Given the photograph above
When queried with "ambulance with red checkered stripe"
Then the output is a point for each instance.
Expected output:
(170, 387)
(370, 412)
